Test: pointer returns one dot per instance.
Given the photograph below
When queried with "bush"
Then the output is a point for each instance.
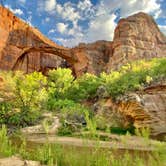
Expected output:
(133, 76)
(5, 110)
(71, 114)
(62, 85)
(24, 97)
(84, 87)
(59, 82)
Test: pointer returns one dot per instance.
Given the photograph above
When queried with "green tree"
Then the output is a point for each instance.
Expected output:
(26, 95)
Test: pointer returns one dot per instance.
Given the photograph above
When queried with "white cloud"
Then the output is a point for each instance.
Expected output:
(84, 5)
(71, 42)
(101, 28)
(61, 27)
(101, 17)
(15, 11)
(59, 8)
(47, 19)
(163, 28)
(50, 5)
(133, 6)
(51, 31)
(68, 12)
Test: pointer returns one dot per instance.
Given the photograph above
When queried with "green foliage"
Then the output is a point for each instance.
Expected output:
(84, 87)
(5, 111)
(59, 82)
(24, 97)
(30, 91)
(143, 132)
(61, 155)
(133, 76)
(57, 105)
(91, 125)
(6, 148)
(72, 116)
(62, 85)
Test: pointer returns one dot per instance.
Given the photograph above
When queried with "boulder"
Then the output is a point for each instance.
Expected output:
(49, 125)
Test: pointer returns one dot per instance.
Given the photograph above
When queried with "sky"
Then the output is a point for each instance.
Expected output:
(70, 22)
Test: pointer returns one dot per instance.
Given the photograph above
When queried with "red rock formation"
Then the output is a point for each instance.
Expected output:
(24, 47)
(94, 56)
(147, 108)
(136, 37)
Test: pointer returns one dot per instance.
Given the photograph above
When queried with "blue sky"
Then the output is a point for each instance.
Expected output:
(69, 22)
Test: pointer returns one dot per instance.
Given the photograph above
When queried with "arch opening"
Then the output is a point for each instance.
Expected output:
(45, 58)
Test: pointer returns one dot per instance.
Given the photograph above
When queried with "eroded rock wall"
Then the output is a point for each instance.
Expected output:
(136, 37)
(147, 108)
(16, 35)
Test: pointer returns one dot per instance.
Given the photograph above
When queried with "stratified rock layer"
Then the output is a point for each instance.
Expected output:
(147, 109)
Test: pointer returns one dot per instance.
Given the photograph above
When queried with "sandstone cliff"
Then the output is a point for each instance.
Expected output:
(15, 36)
(142, 109)
(136, 37)
(24, 47)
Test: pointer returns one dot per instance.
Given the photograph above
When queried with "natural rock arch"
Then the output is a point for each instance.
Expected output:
(66, 54)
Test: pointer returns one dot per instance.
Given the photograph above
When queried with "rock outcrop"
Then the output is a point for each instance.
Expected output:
(48, 125)
(147, 109)
(97, 56)
(136, 37)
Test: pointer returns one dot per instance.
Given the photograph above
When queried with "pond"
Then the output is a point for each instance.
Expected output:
(75, 151)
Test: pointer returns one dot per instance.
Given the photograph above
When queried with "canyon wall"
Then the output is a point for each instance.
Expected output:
(23, 47)
(16, 36)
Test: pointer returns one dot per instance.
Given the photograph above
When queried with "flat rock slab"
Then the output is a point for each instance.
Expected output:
(16, 161)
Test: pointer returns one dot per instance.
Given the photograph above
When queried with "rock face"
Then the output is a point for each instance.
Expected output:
(97, 56)
(24, 47)
(136, 37)
(147, 109)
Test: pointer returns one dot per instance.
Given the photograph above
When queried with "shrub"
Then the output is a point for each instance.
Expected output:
(24, 97)
(133, 76)
(84, 87)
(72, 115)
(59, 82)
